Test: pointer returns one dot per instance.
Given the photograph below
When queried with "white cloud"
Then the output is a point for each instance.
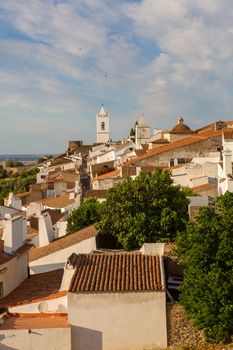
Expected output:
(162, 58)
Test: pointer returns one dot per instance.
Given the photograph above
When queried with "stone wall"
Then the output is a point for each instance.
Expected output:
(181, 332)
(182, 335)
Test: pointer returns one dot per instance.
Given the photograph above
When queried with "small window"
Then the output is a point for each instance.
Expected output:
(1, 289)
(103, 126)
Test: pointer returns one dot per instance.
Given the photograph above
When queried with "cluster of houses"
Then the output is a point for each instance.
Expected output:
(64, 290)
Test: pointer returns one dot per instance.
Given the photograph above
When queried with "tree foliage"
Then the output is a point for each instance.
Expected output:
(17, 183)
(87, 214)
(11, 163)
(146, 209)
(206, 250)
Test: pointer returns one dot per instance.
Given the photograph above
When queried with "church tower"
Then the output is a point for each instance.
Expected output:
(142, 131)
(102, 126)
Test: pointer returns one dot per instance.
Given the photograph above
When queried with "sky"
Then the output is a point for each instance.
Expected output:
(61, 59)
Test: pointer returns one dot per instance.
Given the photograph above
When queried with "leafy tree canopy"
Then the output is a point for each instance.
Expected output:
(87, 214)
(146, 209)
(13, 163)
(206, 250)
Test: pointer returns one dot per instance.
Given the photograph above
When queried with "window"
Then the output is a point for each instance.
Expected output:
(103, 126)
(1, 289)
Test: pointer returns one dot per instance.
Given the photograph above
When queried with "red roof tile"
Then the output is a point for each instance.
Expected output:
(35, 321)
(96, 193)
(42, 286)
(23, 194)
(63, 242)
(111, 174)
(202, 188)
(57, 202)
(124, 272)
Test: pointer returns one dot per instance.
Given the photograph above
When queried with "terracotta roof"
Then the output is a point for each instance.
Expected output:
(42, 286)
(124, 272)
(4, 258)
(113, 173)
(171, 146)
(23, 194)
(161, 140)
(140, 152)
(35, 321)
(96, 193)
(181, 129)
(228, 135)
(202, 188)
(57, 202)
(185, 141)
(63, 242)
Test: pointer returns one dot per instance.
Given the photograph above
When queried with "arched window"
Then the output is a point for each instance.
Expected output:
(103, 126)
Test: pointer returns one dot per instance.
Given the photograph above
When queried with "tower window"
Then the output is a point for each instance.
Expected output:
(103, 126)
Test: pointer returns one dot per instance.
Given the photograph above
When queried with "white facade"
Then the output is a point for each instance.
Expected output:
(13, 272)
(36, 339)
(56, 305)
(117, 321)
(225, 179)
(102, 126)
(57, 260)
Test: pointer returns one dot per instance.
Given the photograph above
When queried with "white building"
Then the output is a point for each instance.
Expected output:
(118, 301)
(102, 126)
(13, 254)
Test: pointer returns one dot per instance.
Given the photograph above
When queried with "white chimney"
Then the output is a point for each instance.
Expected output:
(34, 208)
(14, 233)
(227, 164)
(46, 231)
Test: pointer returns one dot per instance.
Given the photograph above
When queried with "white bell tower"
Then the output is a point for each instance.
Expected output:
(102, 126)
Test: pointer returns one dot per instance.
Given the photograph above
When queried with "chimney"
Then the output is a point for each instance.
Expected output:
(34, 208)
(14, 233)
(46, 231)
(227, 164)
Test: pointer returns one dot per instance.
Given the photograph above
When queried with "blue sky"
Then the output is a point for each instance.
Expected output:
(60, 60)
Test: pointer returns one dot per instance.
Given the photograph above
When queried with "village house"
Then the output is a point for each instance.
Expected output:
(118, 301)
(35, 331)
(38, 291)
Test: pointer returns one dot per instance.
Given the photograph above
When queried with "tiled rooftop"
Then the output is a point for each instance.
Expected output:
(34, 321)
(63, 242)
(186, 141)
(58, 202)
(42, 286)
(4, 258)
(23, 194)
(125, 272)
(204, 187)
(111, 174)
(96, 193)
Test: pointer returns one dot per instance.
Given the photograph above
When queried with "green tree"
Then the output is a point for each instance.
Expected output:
(146, 209)
(13, 163)
(206, 250)
(87, 214)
